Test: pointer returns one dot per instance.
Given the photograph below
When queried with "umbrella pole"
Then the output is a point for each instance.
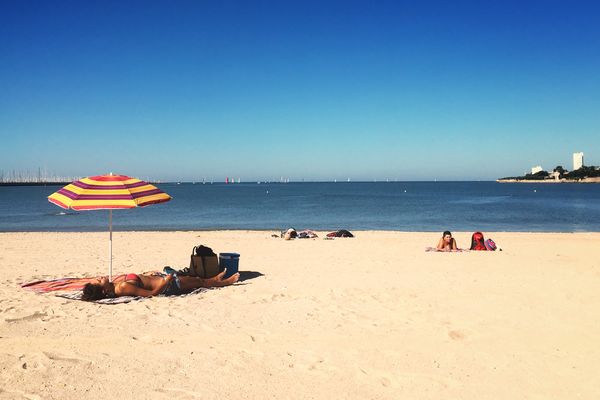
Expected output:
(110, 246)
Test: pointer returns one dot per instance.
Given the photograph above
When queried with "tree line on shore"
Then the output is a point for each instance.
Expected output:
(581, 173)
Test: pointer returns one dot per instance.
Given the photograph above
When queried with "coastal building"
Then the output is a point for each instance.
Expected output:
(577, 161)
(536, 169)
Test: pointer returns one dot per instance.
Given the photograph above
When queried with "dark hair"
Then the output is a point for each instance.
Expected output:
(446, 233)
(92, 291)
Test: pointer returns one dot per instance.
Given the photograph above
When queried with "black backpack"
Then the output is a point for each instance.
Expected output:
(203, 251)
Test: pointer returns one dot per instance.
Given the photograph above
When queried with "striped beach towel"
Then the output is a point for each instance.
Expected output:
(114, 300)
(66, 284)
(123, 299)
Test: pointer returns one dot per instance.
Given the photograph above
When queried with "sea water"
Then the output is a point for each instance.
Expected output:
(401, 206)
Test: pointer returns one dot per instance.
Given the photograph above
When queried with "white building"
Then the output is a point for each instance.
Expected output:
(577, 161)
(536, 169)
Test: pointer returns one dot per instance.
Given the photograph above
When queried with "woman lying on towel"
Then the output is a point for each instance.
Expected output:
(447, 242)
(152, 285)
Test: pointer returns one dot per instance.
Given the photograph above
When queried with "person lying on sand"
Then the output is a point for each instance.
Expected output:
(152, 285)
(447, 242)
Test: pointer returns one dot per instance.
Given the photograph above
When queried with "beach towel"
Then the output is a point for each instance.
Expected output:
(307, 234)
(444, 251)
(123, 299)
(68, 284)
(114, 300)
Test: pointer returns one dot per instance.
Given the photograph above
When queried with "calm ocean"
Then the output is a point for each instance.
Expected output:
(402, 206)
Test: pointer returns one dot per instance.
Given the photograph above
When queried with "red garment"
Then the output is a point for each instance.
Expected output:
(71, 284)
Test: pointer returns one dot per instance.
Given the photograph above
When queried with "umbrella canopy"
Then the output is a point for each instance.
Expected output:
(108, 192)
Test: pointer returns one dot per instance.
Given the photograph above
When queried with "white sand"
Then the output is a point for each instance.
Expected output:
(374, 317)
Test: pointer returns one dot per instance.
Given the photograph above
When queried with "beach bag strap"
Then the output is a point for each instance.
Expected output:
(195, 264)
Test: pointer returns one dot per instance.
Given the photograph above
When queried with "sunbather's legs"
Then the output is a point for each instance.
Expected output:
(192, 282)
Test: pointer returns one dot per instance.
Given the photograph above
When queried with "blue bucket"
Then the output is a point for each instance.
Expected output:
(231, 261)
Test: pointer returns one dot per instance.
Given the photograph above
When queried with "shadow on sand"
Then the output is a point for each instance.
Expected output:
(247, 275)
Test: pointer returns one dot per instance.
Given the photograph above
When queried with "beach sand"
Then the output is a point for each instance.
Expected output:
(373, 317)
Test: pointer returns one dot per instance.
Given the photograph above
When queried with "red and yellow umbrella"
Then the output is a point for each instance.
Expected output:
(108, 192)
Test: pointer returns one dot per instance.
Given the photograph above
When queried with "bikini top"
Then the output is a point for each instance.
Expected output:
(136, 278)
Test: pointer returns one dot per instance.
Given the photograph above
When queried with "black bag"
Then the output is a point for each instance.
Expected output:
(204, 263)
(203, 251)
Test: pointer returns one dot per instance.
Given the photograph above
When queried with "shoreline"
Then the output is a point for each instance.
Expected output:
(320, 232)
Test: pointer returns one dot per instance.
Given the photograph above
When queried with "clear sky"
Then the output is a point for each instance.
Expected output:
(307, 90)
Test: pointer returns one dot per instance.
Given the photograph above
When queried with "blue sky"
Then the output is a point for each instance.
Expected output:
(306, 90)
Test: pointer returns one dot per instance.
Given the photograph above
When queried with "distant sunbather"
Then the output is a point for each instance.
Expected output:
(146, 285)
(447, 242)
(289, 234)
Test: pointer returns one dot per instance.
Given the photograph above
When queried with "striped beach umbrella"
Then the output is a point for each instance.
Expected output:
(108, 192)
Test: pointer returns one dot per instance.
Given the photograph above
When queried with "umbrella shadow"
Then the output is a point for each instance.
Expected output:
(247, 275)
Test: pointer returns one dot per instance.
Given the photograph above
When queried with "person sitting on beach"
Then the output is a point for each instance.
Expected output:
(146, 285)
(447, 242)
